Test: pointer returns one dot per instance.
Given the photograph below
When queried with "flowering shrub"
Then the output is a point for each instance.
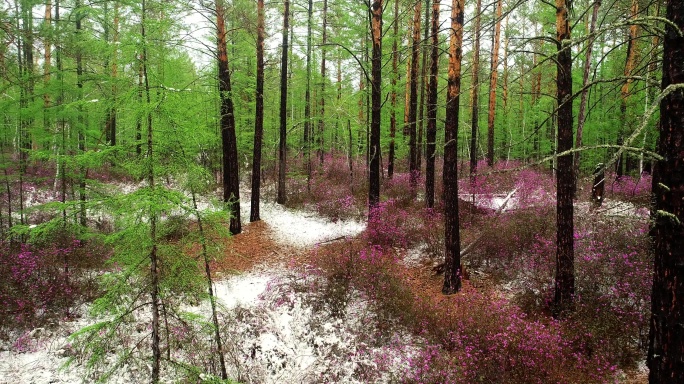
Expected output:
(628, 188)
(44, 281)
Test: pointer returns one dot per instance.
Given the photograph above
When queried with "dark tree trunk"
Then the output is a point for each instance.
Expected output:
(598, 187)
(321, 118)
(475, 93)
(493, 77)
(376, 100)
(565, 270)
(307, 98)
(413, 98)
(110, 122)
(138, 122)
(154, 268)
(80, 119)
(432, 111)
(452, 238)
(420, 122)
(259, 118)
(393, 91)
(282, 145)
(231, 180)
(666, 340)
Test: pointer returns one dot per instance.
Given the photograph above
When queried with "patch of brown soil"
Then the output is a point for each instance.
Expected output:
(254, 246)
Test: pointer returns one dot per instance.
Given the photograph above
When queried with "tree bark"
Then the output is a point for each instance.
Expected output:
(413, 98)
(475, 92)
(376, 100)
(432, 110)
(231, 180)
(666, 339)
(110, 120)
(259, 116)
(493, 77)
(154, 269)
(321, 118)
(393, 90)
(282, 145)
(452, 239)
(565, 274)
(420, 122)
(81, 118)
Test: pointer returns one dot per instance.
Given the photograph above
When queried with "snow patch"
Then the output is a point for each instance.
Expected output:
(304, 229)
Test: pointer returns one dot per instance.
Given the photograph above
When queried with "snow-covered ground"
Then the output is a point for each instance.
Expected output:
(274, 333)
(303, 229)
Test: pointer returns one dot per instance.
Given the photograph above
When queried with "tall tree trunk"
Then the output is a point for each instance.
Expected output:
(154, 268)
(585, 92)
(475, 93)
(307, 99)
(138, 122)
(452, 238)
(231, 180)
(494, 73)
(423, 85)
(666, 339)
(625, 121)
(565, 270)
(413, 98)
(504, 96)
(110, 121)
(432, 110)
(376, 100)
(282, 146)
(81, 118)
(393, 90)
(321, 118)
(259, 118)
(61, 164)
(47, 64)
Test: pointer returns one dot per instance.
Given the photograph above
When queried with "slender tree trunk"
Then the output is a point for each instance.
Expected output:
(61, 163)
(307, 99)
(494, 74)
(259, 118)
(154, 269)
(47, 65)
(321, 119)
(413, 98)
(407, 85)
(565, 270)
(625, 121)
(231, 180)
(393, 91)
(81, 118)
(423, 85)
(585, 92)
(452, 238)
(376, 100)
(432, 110)
(110, 122)
(475, 93)
(138, 122)
(666, 339)
(504, 95)
(282, 146)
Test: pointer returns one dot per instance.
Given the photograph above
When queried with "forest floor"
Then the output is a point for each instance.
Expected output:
(277, 330)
